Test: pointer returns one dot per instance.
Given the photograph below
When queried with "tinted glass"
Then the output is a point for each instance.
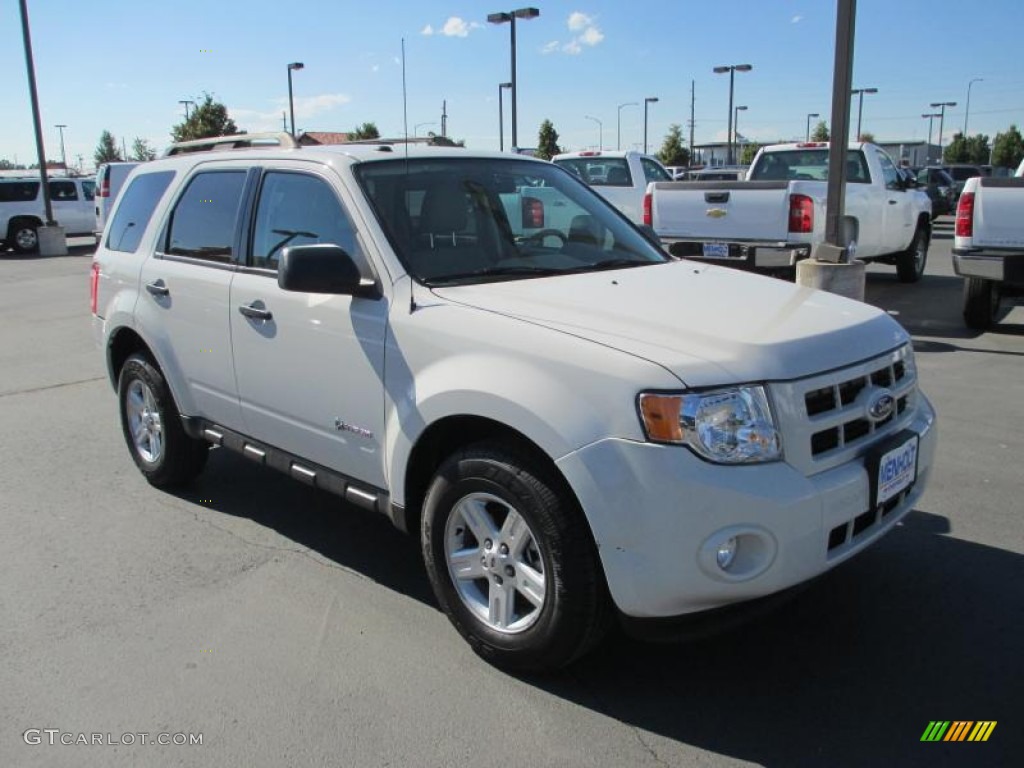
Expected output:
(963, 174)
(205, 217)
(89, 189)
(63, 191)
(478, 220)
(18, 191)
(889, 173)
(134, 209)
(807, 164)
(599, 171)
(296, 209)
(653, 171)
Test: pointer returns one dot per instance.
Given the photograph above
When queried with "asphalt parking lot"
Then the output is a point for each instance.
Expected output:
(289, 629)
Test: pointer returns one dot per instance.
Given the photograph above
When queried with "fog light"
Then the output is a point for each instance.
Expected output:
(726, 553)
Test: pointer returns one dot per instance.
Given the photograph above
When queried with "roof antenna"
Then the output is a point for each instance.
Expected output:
(405, 105)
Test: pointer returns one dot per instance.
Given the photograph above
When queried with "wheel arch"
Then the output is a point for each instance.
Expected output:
(122, 344)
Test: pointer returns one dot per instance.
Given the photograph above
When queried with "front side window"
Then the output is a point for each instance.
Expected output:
(136, 206)
(63, 191)
(889, 173)
(205, 218)
(89, 190)
(455, 220)
(298, 209)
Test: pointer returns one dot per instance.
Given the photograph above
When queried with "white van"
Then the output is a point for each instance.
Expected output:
(22, 209)
(109, 179)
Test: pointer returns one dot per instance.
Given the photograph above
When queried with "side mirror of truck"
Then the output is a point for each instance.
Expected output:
(323, 268)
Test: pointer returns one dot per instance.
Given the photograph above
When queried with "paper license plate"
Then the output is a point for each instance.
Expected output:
(897, 470)
(716, 250)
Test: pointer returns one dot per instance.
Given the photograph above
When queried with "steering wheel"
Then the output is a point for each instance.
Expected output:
(538, 238)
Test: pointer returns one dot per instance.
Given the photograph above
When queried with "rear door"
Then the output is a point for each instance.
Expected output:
(69, 209)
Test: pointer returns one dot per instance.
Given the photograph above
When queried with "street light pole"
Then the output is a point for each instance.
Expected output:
(501, 18)
(859, 92)
(618, 127)
(291, 102)
(967, 110)
(501, 116)
(942, 119)
(418, 125)
(600, 131)
(736, 125)
(931, 117)
(809, 116)
(732, 69)
(648, 100)
(63, 157)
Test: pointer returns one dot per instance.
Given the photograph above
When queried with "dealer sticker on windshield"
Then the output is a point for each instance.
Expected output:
(897, 470)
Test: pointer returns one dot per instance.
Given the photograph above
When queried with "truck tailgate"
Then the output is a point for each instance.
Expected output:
(998, 205)
(721, 210)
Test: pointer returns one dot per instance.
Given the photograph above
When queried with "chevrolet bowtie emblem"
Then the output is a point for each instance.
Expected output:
(716, 213)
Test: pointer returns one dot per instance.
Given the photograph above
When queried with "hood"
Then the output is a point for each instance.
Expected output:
(708, 325)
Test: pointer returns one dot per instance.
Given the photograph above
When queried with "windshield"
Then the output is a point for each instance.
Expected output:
(808, 165)
(476, 220)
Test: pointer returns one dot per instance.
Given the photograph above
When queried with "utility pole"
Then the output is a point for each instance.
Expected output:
(444, 117)
(284, 121)
(693, 153)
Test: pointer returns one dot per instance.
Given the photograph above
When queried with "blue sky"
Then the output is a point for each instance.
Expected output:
(123, 66)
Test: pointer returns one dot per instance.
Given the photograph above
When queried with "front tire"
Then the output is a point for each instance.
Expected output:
(511, 560)
(910, 263)
(981, 303)
(165, 455)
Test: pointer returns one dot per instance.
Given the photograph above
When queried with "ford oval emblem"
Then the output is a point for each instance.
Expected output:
(716, 213)
(881, 405)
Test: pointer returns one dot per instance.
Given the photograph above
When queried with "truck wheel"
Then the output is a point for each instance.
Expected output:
(23, 237)
(511, 560)
(911, 262)
(162, 451)
(981, 302)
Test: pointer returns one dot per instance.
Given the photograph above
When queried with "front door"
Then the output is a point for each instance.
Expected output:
(310, 367)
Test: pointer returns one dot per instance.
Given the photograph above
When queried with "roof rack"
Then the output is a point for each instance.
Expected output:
(238, 141)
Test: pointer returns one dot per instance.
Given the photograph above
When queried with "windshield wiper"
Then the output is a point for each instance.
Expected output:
(610, 264)
(516, 270)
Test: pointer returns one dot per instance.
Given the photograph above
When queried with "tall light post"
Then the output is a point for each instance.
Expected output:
(291, 102)
(618, 125)
(511, 16)
(967, 110)
(809, 116)
(501, 115)
(648, 100)
(931, 117)
(942, 119)
(186, 102)
(736, 126)
(600, 131)
(732, 69)
(859, 92)
(63, 157)
(420, 125)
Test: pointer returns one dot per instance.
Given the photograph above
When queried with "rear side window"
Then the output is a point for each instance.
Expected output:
(63, 191)
(18, 191)
(205, 217)
(134, 210)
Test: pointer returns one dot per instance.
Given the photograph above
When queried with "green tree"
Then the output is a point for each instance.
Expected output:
(672, 151)
(547, 141)
(209, 118)
(749, 152)
(365, 131)
(7, 165)
(820, 132)
(106, 150)
(978, 149)
(867, 137)
(1008, 148)
(141, 151)
(956, 151)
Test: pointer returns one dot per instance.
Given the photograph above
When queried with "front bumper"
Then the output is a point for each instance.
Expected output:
(657, 512)
(999, 265)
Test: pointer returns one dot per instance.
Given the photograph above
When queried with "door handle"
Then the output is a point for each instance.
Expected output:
(256, 311)
(158, 288)
(893, 202)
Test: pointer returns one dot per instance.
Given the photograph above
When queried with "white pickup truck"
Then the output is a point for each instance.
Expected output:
(621, 178)
(772, 220)
(988, 248)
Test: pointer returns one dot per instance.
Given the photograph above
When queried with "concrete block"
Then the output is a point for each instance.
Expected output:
(843, 279)
(52, 241)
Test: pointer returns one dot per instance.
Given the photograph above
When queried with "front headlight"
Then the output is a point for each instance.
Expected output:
(727, 426)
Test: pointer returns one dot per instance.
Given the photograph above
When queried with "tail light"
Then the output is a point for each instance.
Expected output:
(648, 216)
(94, 286)
(104, 190)
(533, 213)
(965, 215)
(801, 214)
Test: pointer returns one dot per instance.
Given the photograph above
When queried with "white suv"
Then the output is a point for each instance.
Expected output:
(23, 211)
(577, 426)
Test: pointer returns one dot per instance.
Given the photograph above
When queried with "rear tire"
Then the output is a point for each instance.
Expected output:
(23, 237)
(165, 455)
(981, 303)
(511, 560)
(910, 263)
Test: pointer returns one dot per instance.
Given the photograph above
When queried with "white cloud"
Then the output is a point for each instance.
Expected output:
(572, 47)
(455, 27)
(427, 30)
(796, 19)
(550, 47)
(592, 36)
(579, 20)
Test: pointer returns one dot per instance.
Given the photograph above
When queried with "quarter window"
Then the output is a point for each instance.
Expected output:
(137, 204)
(298, 209)
(18, 191)
(204, 221)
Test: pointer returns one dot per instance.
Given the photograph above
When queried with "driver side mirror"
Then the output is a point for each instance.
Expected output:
(323, 268)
